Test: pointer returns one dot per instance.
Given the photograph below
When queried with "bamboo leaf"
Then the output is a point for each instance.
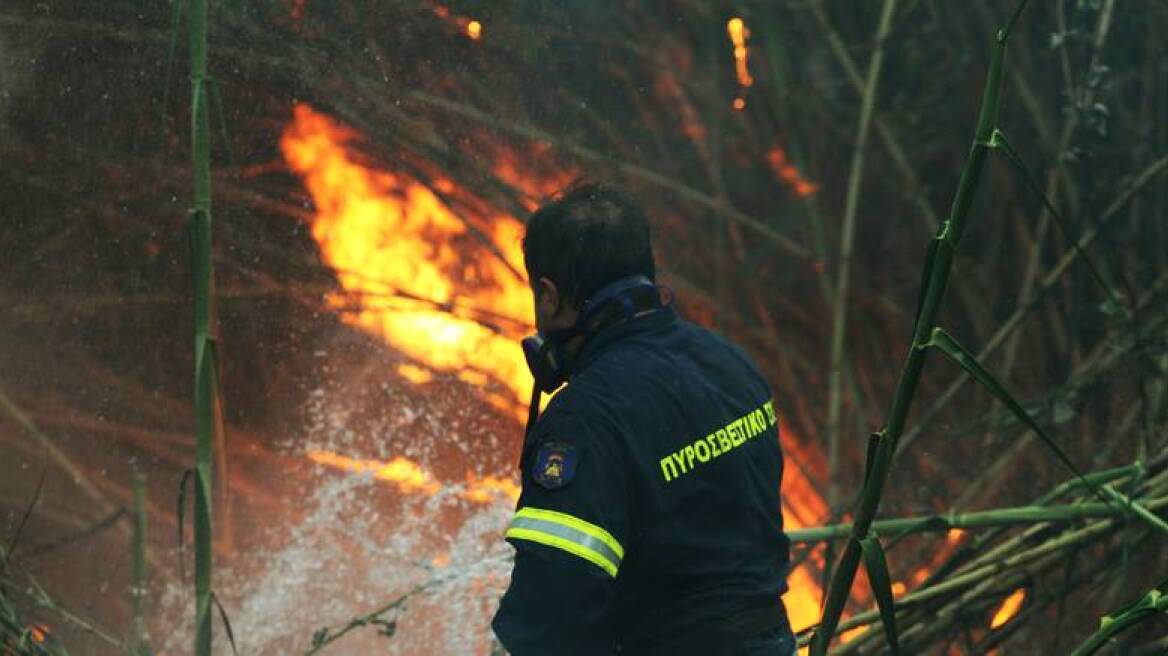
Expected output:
(226, 623)
(181, 512)
(945, 343)
(998, 141)
(36, 499)
(877, 568)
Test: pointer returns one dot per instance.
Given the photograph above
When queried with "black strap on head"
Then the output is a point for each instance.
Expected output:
(532, 410)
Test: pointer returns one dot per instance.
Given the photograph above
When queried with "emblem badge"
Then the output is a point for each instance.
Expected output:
(555, 465)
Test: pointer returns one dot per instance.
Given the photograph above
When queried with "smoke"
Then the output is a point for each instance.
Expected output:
(18, 60)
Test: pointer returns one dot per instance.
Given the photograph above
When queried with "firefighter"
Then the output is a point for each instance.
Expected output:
(649, 520)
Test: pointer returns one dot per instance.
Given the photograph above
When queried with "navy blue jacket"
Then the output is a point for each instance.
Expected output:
(649, 520)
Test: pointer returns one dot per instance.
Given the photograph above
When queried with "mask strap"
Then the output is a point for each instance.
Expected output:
(532, 410)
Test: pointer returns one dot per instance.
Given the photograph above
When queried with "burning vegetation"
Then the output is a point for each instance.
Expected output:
(371, 172)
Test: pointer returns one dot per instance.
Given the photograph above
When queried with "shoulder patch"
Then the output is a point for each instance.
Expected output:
(555, 464)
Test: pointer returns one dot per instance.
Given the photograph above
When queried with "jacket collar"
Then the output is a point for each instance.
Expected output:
(603, 340)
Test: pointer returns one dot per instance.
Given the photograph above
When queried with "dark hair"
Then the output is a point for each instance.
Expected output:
(586, 237)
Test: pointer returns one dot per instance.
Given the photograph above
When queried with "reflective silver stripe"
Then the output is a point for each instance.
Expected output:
(575, 536)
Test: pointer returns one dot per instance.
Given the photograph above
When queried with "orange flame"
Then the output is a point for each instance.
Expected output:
(474, 30)
(954, 536)
(39, 633)
(405, 473)
(411, 477)
(736, 27)
(420, 273)
(802, 507)
(1009, 608)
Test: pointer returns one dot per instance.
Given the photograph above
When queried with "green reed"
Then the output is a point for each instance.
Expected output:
(206, 371)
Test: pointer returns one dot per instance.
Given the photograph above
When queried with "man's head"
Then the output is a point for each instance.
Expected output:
(589, 236)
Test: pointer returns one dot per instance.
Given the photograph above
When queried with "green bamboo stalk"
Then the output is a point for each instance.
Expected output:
(935, 279)
(980, 519)
(206, 374)
(839, 301)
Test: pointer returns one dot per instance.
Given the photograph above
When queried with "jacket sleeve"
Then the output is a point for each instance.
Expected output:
(569, 531)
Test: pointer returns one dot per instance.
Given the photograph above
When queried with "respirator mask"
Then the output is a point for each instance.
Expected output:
(548, 354)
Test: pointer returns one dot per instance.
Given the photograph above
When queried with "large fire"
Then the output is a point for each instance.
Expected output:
(421, 276)
(423, 281)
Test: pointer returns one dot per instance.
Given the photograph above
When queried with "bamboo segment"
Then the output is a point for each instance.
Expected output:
(983, 519)
(1152, 604)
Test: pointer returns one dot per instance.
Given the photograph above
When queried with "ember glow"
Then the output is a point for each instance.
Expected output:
(469, 26)
(423, 281)
(787, 172)
(1008, 609)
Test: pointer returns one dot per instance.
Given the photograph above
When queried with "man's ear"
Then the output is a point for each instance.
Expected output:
(547, 296)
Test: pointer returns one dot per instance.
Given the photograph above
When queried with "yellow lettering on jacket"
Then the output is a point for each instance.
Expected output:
(718, 443)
